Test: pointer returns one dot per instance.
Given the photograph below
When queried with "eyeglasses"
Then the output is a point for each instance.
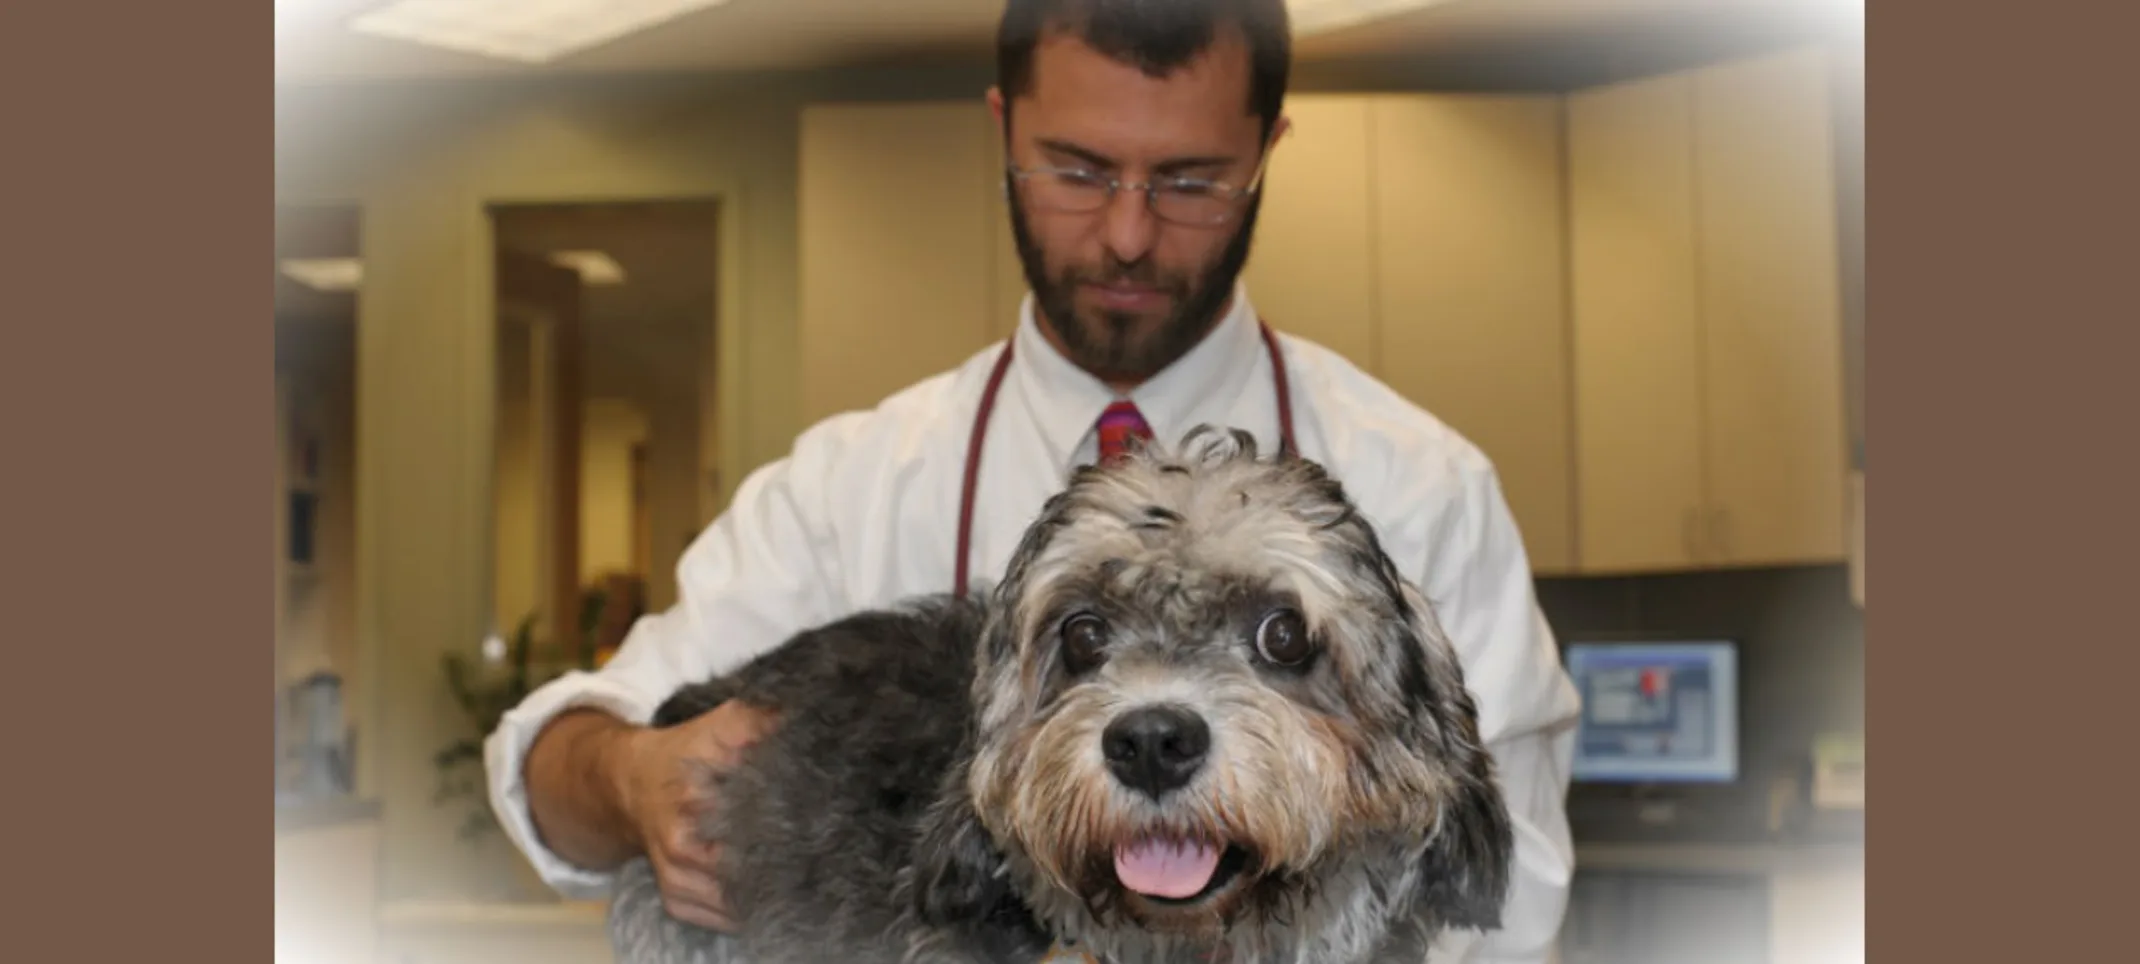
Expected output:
(1196, 202)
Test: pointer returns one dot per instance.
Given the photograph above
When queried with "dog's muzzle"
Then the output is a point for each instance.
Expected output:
(1156, 750)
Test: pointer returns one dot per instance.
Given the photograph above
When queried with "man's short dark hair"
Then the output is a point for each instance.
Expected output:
(1156, 36)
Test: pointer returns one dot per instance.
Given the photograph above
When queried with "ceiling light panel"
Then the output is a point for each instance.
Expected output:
(529, 31)
(1319, 16)
(594, 267)
(325, 274)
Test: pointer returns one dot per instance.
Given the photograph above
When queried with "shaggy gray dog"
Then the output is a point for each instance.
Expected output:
(1202, 719)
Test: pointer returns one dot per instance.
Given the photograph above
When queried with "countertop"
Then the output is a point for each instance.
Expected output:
(519, 915)
(1721, 858)
(313, 815)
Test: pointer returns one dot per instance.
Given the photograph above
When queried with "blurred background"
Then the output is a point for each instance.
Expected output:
(552, 278)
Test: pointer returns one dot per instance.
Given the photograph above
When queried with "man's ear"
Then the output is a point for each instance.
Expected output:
(958, 874)
(998, 110)
(1279, 129)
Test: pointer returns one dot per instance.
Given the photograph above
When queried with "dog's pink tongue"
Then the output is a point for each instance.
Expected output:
(1166, 868)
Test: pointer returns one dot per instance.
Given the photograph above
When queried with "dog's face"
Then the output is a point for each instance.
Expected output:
(1205, 699)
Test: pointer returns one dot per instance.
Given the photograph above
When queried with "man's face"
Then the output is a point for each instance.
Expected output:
(1124, 291)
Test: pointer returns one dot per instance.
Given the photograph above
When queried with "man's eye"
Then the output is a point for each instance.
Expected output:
(1186, 188)
(1081, 179)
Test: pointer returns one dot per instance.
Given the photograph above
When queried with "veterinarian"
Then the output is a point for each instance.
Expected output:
(1136, 134)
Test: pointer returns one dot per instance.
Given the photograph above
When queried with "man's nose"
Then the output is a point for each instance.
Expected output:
(1131, 228)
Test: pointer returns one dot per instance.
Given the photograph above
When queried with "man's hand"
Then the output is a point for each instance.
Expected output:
(664, 789)
(602, 791)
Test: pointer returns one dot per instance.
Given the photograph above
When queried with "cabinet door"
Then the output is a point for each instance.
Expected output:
(1637, 335)
(1470, 288)
(1620, 917)
(1310, 272)
(896, 250)
(1772, 309)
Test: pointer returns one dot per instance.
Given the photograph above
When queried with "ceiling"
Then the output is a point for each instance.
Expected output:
(784, 35)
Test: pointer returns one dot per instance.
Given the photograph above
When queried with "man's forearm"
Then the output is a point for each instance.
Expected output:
(574, 796)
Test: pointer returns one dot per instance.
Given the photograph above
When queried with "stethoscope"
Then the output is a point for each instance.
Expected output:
(988, 407)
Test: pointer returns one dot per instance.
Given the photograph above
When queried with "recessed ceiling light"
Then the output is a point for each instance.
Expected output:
(529, 31)
(325, 274)
(1318, 16)
(595, 267)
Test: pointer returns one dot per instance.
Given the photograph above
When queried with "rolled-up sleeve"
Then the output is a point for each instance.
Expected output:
(1478, 576)
(765, 569)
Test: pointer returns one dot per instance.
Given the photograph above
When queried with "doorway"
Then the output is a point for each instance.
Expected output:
(319, 685)
(606, 355)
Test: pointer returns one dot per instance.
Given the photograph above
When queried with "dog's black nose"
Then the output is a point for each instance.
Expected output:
(1156, 749)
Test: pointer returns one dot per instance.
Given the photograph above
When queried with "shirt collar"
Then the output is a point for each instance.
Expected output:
(1064, 401)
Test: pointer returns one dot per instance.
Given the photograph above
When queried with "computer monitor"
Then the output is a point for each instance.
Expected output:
(1656, 711)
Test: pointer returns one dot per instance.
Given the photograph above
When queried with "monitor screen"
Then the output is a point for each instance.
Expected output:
(1656, 712)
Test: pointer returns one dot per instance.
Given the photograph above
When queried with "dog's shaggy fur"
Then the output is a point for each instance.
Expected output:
(958, 780)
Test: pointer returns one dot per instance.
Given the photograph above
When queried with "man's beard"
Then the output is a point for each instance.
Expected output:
(1108, 344)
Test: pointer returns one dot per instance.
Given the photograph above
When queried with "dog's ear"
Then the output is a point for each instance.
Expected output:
(1465, 880)
(1469, 863)
(958, 873)
(999, 640)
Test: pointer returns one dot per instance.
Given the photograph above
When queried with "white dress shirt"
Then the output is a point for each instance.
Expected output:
(863, 512)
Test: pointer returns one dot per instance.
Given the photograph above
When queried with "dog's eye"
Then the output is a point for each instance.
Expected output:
(1084, 640)
(1283, 638)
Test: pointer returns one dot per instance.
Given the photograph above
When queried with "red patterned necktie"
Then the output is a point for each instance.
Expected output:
(1120, 423)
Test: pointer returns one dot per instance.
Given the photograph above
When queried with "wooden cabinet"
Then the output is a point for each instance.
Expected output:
(1636, 325)
(1666, 918)
(1311, 270)
(1706, 319)
(1421, 236)
(1771, 303)
(1468, 241)
(1715, 904)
